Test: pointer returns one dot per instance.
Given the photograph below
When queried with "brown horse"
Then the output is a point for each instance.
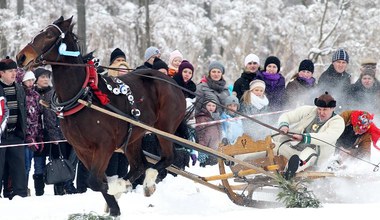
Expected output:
(95, 135)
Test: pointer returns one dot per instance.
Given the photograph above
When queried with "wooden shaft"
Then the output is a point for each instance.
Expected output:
(188, 143)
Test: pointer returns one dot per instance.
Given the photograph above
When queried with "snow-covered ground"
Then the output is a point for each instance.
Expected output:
(180, 198)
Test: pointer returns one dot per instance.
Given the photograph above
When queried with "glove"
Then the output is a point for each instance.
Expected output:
(41, 147)
(193, 159)
(31, 144)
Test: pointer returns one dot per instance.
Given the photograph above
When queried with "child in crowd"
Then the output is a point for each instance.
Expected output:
(254, 101)
(175, 59)
(208, 135)
(231, 130)
(33, 130)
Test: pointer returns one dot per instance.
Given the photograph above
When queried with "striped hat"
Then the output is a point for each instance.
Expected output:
(340, 54)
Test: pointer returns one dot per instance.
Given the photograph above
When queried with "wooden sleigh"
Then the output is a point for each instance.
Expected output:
(241, 177)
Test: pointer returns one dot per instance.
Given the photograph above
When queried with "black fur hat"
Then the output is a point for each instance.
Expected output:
(325, 101)
(41, 71)
(7, 64)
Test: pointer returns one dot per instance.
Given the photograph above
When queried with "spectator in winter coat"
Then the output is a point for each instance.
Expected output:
(175, 59)
(150, 54)
(208, 135)
(13, 128)
(231, 130)
(52, 131)
(33, 130)
(254, 101)
(183, 78)
(301, 86)
(212, 86)
(251, 72)
(365, 92)
(275, 83)
(335, 79)
(359, 133)
(316, 129)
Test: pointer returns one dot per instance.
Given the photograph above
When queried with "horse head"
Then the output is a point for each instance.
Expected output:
(46, 44)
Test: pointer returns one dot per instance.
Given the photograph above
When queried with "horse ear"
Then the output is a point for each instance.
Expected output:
(69, 20)
(59, 20)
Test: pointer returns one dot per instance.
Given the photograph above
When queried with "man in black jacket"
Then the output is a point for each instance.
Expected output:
(14, 131)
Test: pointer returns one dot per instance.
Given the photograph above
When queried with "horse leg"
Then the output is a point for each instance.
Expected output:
(114, 208)
(137, 165)
(151, 174)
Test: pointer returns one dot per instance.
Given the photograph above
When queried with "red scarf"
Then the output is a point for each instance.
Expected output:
(362, 122)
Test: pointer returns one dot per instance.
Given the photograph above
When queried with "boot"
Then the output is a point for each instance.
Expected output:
(39, 184)
(293, 164)
(70, 189)
(59, 189)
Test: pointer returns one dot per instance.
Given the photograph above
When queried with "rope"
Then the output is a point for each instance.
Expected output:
(289, 134)
(26, 144)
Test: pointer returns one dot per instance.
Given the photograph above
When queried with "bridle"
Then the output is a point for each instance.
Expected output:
(40, 60)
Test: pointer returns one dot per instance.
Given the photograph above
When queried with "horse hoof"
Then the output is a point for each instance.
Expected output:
(150, 181)
(115, 214)
(148, 191)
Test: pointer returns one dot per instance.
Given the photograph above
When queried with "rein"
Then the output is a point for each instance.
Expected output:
(279, 132)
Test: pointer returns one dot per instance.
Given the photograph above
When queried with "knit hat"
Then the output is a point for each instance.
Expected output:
(41, 71)
(216, 65)
(256, 83)
(7, 64)
(159, 64)
(28, 75)
(306, 65)
(369, 72)
(116, 54)
(151, 51)
(185, 64)
(173, 55)
(232, 100)
(325, 101)
(274, 60)
(251, 58)
(340, 54)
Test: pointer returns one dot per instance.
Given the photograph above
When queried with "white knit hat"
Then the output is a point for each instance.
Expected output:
(256, 83)
(28, 75)
(173, 55)
(251, 58)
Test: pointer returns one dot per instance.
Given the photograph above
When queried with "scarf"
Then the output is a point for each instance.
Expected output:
(259, 102)
(271, 76)
(216, 85)
(307, 82)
